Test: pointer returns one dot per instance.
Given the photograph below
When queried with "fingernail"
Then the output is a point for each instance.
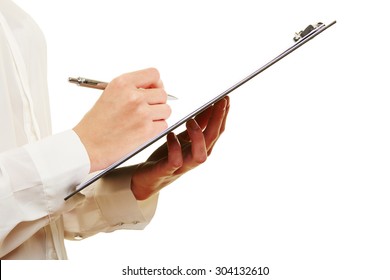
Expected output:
(192, 124)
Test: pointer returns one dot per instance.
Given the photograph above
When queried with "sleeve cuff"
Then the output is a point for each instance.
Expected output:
(62, 163)
(118, 205)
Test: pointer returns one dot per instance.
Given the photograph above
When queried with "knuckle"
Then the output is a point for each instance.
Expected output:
(135, 98)
(120, 82)
(201, 158)
(153, 72)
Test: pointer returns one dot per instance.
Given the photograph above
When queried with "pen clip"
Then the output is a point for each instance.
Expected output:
(80, 81)
(76, 81)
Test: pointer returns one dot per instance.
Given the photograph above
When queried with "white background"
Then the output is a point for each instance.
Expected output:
(298, 182)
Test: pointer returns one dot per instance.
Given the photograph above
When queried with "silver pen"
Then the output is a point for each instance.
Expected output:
(84, 82)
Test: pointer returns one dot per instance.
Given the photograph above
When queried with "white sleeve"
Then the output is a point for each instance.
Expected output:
(34, 179)
(109, 205)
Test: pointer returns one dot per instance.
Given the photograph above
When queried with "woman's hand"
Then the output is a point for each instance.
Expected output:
(182, 153)
(131, 110)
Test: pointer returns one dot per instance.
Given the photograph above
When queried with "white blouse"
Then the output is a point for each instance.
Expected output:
(37, 169)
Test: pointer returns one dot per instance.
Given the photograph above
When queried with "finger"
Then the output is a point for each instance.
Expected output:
(146, 78)
(175, 155)
(198, 145)
(212, 131)
(168, 164)
(155, 96)
(157, 128)
(160, 112)
(222, 129)
(203, 118)
(226, 114)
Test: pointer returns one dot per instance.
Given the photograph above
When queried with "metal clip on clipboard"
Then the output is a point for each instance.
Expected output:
(307, 31)
(300, 39)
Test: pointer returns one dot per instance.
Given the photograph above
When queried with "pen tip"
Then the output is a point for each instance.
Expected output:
(171, 97)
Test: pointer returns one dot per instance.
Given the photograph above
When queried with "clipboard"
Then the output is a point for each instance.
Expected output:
(300, 39)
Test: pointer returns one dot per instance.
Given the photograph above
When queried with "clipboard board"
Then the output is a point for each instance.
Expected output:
(300, 39)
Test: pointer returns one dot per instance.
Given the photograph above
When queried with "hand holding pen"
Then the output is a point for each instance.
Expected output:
(131, 110)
